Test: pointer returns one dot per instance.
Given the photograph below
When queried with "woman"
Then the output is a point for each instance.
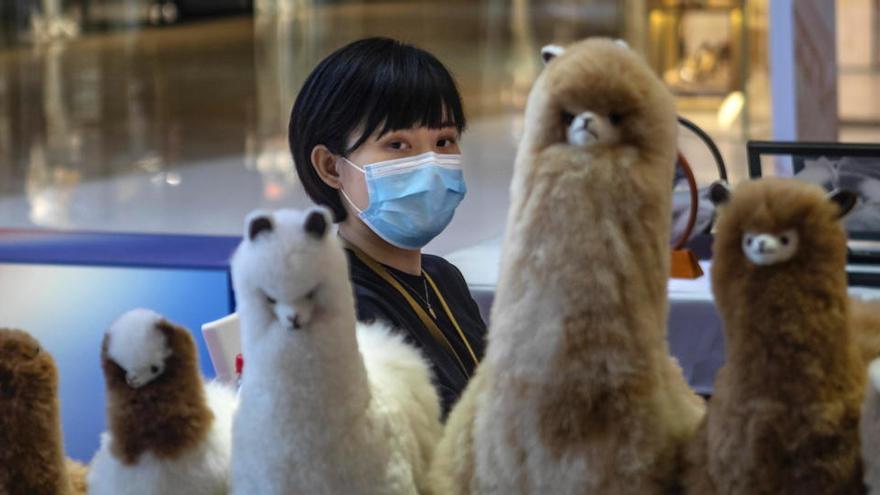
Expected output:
(374, 134)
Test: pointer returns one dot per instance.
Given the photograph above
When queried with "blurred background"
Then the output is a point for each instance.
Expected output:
(171, 115)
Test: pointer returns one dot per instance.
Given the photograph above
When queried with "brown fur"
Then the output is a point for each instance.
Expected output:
(32, 458)
(870, 430)
(584, 273)
(167, 416)
(784, 417)
(865, 316)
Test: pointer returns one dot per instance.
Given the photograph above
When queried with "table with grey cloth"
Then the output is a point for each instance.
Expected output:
(695, 335)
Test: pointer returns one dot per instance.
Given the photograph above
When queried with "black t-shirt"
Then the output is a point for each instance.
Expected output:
(378, 300)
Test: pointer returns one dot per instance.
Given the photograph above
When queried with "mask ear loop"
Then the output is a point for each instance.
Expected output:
(344, 194)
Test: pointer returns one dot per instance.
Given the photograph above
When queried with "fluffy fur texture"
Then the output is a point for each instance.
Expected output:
(870, 429)
(32, 458)
(785, 414)
(317, 416)
(577, 393)
(168, 433)
(865, 317)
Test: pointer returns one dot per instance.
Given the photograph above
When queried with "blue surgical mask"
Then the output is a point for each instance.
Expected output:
(411, 199)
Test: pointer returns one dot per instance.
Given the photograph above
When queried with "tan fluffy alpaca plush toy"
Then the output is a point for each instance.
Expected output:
(32, 457)
(784, 418)
(577, 393)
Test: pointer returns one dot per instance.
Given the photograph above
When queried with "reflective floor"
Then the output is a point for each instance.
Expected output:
(183, 128)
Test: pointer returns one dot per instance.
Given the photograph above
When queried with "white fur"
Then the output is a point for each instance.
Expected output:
(769, 249)
(317, 416)
(138, 346)
(201, 471)
(874, 374)
(550, 52)
(588, 129)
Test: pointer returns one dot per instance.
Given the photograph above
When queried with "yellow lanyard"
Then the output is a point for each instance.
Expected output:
(422, 314)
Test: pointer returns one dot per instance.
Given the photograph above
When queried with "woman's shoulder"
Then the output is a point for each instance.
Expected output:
(437, 266)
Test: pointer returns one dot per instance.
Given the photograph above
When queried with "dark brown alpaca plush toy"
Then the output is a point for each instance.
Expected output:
(32, 460)
(785, 415)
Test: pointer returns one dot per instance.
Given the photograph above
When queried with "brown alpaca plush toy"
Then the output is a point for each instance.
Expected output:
(169, 433)
(577, 393)
(784, 418)
(870, 429)
(32, 460)
(865, 317)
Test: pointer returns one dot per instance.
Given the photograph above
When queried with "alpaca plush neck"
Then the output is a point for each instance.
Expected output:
(32, 456)
(580, 312)
(311, 372)
(34, 462)
(795, 323)
(166, 417)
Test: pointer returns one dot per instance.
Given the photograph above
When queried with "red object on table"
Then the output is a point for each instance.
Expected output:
(239, 364)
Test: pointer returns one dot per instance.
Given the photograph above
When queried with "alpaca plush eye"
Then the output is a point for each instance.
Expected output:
(784, 240)
(749, 240)
(615, 118)
(270, 300)
(567, 118)
(154, 369)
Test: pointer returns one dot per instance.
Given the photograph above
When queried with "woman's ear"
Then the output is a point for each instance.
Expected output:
(324, 162)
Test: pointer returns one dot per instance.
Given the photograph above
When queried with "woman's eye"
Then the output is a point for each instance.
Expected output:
(567, 118)
(445, 142)
(615, 118)
(398, 145)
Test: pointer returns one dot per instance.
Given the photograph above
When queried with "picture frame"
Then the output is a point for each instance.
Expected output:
(852, 166)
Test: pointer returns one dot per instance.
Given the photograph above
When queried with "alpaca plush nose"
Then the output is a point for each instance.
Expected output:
(586, 119)
(767, 245)
(294, 322)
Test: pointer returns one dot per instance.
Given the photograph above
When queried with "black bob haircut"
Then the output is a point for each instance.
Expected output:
(364, 85)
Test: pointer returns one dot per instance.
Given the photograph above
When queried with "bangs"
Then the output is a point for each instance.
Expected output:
(421, 93)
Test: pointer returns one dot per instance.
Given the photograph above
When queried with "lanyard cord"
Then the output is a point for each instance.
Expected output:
(430, 324)
(451, 318)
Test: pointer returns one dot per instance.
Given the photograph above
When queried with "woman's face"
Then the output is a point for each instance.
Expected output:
(393, 145)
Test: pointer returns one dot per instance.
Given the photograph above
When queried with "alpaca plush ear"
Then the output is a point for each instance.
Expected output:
(550, 52)
(317, 222)
(259, 222)
(622, 43)
(846, 200)
(719, 193)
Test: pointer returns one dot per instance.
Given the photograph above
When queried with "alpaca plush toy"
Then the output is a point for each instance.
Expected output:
(32, 460)
(169, 433)
(784, 417)
(865, 317)
(577, 393)
(317, 416)
(870, 429)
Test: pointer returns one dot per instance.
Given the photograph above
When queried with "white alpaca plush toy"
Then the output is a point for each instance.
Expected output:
(169, 433)
(326, 408)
